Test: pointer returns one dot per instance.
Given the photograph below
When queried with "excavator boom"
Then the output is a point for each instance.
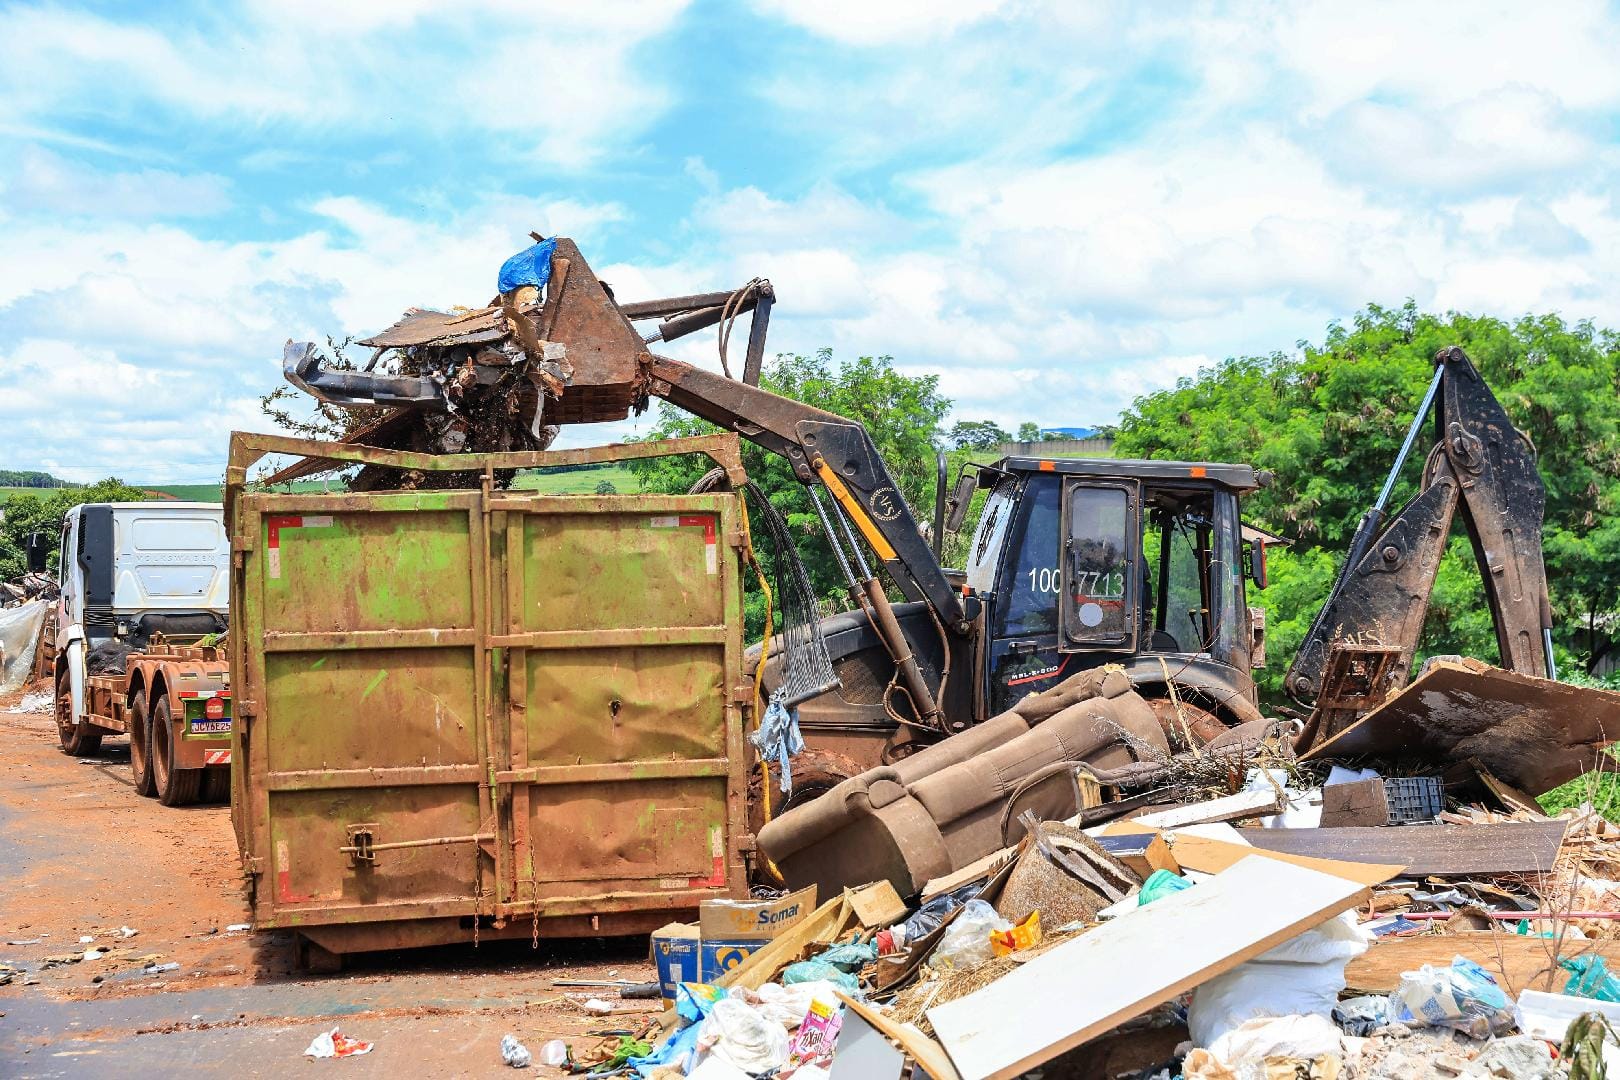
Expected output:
(1484, 466)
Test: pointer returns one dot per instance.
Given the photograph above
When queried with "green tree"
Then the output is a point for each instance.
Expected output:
(901, 413)
(977, 435)
(1029, 431)
(26, 514)
(605, 487)
(1328, 420)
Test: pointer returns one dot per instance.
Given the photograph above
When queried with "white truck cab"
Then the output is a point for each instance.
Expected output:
(129, 570)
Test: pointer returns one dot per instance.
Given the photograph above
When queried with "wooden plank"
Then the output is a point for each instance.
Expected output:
(1213, 856)
(1517, 962)
(1123, 968)
(1510, 847)
(1532, 733)
(923, 1050)
(823, 924)
(1245, 804)
(877, 905)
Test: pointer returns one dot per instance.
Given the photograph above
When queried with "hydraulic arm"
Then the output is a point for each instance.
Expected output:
(1481, 464)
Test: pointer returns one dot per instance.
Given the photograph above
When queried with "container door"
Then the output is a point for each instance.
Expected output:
(623, 638)
(364, 653)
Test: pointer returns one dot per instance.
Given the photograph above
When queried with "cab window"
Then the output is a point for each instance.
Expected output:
(1097, 566)
(1028, 599)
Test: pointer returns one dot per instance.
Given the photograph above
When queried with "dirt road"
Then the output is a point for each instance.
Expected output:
(82, 856)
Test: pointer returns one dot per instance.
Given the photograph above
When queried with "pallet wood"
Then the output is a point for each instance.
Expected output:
(1093, 983)
(1511, 847)
(1518, 963)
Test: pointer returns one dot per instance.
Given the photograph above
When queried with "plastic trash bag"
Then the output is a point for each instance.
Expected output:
(1159, 884)
(743, 1036)
(816, 971)
(336, 1044)
(1299, 977)
(1361, 1016)
(515, 1053)
(789, 1004)
(19, 636)
(966, 944)
(1462, 997)
(850, 958)
(1247, 1049)
(1590, 977)
(531, 266)
(926, 919)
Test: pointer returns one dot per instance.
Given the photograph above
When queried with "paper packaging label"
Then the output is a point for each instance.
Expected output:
(675, 952)
(716, 956)
(754, 920)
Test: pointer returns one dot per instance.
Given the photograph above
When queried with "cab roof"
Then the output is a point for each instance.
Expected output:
(1238, 478)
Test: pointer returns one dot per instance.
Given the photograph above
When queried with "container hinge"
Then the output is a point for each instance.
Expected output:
(742, 693)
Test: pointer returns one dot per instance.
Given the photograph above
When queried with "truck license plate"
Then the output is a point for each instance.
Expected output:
(201, 727)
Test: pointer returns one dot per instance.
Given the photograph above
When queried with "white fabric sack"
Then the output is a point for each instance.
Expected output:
(1300, 977)
(19, 636)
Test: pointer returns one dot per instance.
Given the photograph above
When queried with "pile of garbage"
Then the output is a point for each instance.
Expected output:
(1191, 951)
(1288, 914)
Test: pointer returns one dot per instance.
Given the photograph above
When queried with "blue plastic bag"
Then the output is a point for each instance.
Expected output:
(531, 266)
(1160, 883)
(1589, 977)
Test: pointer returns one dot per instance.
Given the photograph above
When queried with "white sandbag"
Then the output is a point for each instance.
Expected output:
(1300, 977)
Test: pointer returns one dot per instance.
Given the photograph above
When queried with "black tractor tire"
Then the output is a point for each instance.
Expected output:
(76, 739)
(140, 745)
(815, 772)
(175, 787)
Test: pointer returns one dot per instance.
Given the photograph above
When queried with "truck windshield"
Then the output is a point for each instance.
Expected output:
(1028, 601)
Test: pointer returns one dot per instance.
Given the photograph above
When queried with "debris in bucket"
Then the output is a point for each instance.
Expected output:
(334, 1043)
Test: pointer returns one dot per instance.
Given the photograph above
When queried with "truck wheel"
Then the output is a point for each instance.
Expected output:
(815, 772)
(216, 785)
(175, 787)
(140, 745)
(76, 739)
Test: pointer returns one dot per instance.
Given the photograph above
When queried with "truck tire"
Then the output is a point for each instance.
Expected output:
(76, 739)
(175, 787)
(140, 745)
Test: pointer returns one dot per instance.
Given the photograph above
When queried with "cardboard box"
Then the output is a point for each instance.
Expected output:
(718, 956)
(675, 953)
(753, 920)
(732, 929)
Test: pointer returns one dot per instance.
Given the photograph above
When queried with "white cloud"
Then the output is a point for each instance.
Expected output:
(858, 22)
(43, 181)
(556, 80)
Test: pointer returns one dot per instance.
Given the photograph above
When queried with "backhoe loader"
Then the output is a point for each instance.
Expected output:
(1074, 563)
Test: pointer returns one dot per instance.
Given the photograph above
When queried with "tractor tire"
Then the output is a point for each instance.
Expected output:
(815, 772)
(76, 739)
(175, 787)
(140, 745)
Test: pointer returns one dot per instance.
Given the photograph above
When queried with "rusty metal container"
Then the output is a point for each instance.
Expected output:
(483, 712)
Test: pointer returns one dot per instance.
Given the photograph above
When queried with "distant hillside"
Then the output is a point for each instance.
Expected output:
(18, 478)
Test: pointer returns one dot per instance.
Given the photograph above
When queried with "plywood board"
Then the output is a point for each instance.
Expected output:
(1532, 733)
(1511, 847)
(923, 1050)
(1245, 804)
(1208, 856)
(1125, 967)
(1518, 963)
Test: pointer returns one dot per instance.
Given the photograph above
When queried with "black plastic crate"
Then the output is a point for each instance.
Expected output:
(1413, 798)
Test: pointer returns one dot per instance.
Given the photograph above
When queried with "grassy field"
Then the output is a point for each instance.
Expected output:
(580, 482)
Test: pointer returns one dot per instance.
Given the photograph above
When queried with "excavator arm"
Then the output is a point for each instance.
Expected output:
(1480, 464)
(827, 449)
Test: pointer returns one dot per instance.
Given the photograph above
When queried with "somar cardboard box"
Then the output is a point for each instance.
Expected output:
(729, 930)
(675, 953)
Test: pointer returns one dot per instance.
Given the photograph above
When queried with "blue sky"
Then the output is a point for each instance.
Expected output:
(1055, 207)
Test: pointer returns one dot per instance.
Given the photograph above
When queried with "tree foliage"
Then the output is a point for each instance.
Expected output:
(977, 435)
(26, 514)
(901, 413)
(1029, 431)
(1328, 421)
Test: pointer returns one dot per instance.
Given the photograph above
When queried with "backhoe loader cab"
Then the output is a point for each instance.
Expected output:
(1085, 562)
